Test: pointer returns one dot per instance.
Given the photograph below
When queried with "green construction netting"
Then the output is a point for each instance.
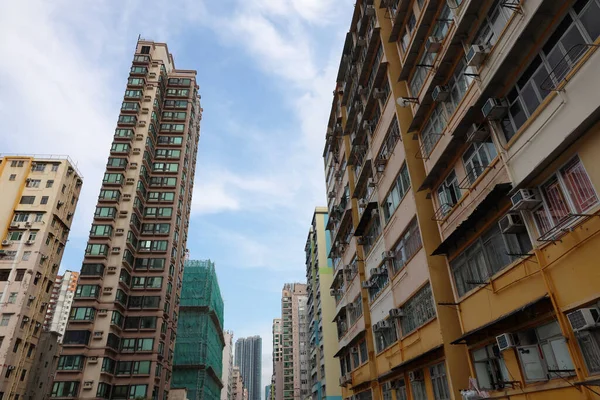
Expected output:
(198, 346)
(200, 385)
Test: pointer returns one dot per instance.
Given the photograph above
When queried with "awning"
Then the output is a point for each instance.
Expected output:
(365, 217)
(414, 360)
(498, 192)
(464, 339)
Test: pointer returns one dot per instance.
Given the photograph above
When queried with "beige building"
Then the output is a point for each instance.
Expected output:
(39, 197)
(277, 379)
(123, 324)
(295, 343)
(237, 385)
(227, 377)
(61, 300)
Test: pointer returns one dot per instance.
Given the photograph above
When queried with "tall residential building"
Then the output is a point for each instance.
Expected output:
(463, 182)
(198, 362)
(39, 384)
(321, 330)
(295, 343)
(227, 376)
(39, 197)
(248, 357)
(237, 384)
(277, 378)
(123, 324)
(61, 300)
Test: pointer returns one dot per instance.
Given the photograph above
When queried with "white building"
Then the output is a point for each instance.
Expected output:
(227, 377)
(63, 292)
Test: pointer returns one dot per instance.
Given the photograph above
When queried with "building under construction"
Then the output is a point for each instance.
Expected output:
(198, 362)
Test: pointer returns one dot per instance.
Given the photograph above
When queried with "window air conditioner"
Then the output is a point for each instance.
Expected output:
(362, 203)
(29, 242)
(478, 133)
(120, 232)
(433, 44)
(512, 223)
(382, 325)
(93, 359)
(116, 250)
(333, 292)
(6, 242)
(370, 10)
(476, 55)
(396, 313)
(375, 213)
(331, 194)
(505, 341)
(366, 285)
(361, 41)
(88, 384)
(25, 319)
(375, 271)
(494, 109)
(136, 150)
(112, 270)
(440, 93)
(525, 199)
(584, 318)
(372, 182)
(387, 255)
(15, 225)
(103, 312)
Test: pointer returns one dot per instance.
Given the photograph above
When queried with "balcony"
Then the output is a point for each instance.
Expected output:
(141, 59)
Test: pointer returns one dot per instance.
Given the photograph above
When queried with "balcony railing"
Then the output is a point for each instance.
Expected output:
(559, 73)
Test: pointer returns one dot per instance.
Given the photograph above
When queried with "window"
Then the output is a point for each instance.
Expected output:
(15, 235)
(407, 246)
(33, 183)
(439, 382)
(20, 275)
(39, 216)
(39, 167)
(527, 93)
(145, 50)
(543, 353)
(120, 148)
(490, 368)
(115, 162)
(117, 318)
(12, 177)
(101, 230)
(26, 255)
(96, 250)
(399, 189)
(109, 195)
(410, 26)
(92, 270)
(27, 199)
(391, 139)
(386, 391)
(5, 319)
(44, 200)
(105, 212)
(448, 194)
(385, 337)
(74, 363)
(568, 191)
(490, 253)
(55, 167)
(418, 310)
(82, 314)
(372, 232)
(65, 389)
(49, 183)
(477, 157)
(589, 343)
(91, 291)
(12, 298)
(493, 24)
(433, 130)
(157, 264)
(421, 72)
(417, 386)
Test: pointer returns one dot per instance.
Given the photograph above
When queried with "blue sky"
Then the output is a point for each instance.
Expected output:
(266, 70)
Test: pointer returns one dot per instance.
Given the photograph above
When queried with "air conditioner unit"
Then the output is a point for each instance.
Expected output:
(11, 367)
(88, 385)
(494, 109)
(505, 341)
(133, 165)
(584, 318)
(331, 194)
(387, 255)
(111, 270)
(525, 199)
(375, 213)
(415, 376)
(31, 297)
(363, 203)
(28, 224)
(375, 271)
(361, 41)
(6, 242)
(512, 223)
(98, 334)
(126, 197)
(396, 313)
(103, 312)
(378, 93)
(433, 44)
(107, 289)
(123, 213)
(440, 93)
(25, 319)
(366, 285)
(476, 55)
(29, 242)
(136, 150)
(116, 250)
(145, 110)
(15, 225)
(92, 359)
(382, 325)
(139, 136)
(372, 182)
(333, 292)
(382, 159)
(339, 174)
(370, 10)
(119, 232)
(478, 133)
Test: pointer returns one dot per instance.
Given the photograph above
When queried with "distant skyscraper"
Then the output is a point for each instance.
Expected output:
(295, 346)
(60, 303)
(197, 365)
(248, 357)
(277, 378)
(227, 377)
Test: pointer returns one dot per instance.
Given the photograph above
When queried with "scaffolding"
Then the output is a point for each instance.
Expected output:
(197, 365)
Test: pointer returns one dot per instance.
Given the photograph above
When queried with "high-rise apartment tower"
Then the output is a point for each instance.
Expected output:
(227, 375)
(324, 369)
(123, 323)
(248, 357)
(39, 196)
(61, 300)
(462, 177)
(295, 344)
(277, 377)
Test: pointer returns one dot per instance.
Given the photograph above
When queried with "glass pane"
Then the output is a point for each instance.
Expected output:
(518, 115)
(589, 19)
(581, 190)
(530, 97)
(562, 355)
(557, 205)
(531, 362)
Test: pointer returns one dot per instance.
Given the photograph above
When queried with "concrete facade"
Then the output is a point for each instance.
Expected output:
(463, 200)
(277, 379)
(39, 197)
(60, 304)
(121, 335)
(227, 377)
(237, 384)
(321, 330)
(294, 314)
(39, 383)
